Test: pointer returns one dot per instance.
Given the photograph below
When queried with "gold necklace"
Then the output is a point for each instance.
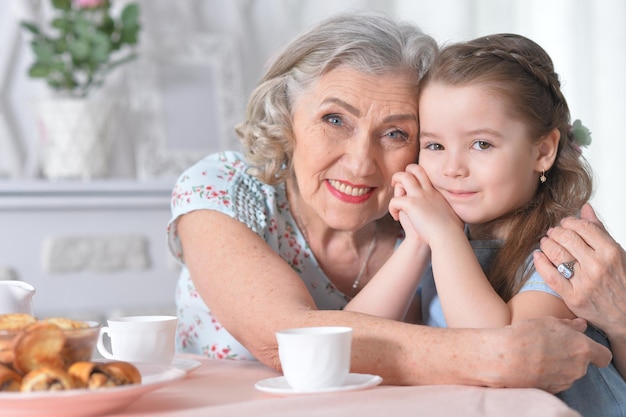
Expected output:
(370, 249)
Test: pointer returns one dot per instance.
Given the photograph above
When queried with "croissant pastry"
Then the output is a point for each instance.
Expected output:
(16, 321)
(9, 379)
(125, 372)
(66, 324)
(47, 379)
(94, 375)
(9, 323)
(40, 345)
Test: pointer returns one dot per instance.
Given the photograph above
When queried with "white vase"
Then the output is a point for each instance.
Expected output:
(75, 140)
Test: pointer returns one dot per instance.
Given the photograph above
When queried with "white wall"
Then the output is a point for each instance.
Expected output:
(586, 39)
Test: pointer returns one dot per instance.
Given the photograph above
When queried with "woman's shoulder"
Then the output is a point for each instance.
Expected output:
(216, 173)
(221, 182)
(223, 165)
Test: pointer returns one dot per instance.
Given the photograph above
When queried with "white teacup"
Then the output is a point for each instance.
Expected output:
(314, 358)
(140, 339)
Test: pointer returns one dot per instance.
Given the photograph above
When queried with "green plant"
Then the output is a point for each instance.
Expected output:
(84, 44)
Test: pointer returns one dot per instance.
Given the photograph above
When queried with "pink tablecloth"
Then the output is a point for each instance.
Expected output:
(226, 388)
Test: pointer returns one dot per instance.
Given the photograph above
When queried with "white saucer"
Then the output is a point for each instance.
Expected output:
(187, 365)
(278, 385)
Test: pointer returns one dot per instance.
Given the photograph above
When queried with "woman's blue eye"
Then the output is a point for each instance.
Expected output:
(398, 134)
(334, 120)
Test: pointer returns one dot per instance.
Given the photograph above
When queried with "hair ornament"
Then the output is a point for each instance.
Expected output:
(580, 135)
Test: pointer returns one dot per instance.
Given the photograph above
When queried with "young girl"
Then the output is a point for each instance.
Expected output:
(499, 165)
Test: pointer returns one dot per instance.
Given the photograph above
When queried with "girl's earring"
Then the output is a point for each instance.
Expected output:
(543, 177)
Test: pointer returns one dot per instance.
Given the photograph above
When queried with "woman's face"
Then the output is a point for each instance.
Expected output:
(352, 132)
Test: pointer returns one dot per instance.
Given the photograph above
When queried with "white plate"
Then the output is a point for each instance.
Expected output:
(278, 385)
(86, 403)
(187, 365)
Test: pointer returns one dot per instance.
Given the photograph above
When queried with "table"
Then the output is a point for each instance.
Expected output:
(226, 388)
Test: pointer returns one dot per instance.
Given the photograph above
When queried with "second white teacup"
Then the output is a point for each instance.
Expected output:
(140, 339)
(314, 358)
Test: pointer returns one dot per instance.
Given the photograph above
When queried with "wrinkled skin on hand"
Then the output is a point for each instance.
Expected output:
(548, 353)
(597, 290)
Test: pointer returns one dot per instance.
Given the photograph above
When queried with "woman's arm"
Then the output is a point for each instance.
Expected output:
(254, 293)
(597, 290)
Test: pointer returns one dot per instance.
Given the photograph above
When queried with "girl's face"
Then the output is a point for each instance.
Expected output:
(475, 152)
(352, 132)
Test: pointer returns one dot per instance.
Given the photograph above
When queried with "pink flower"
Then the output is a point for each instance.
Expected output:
(89, 4)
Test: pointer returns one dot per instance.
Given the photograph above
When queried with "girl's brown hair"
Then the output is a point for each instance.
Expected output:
(522, 73)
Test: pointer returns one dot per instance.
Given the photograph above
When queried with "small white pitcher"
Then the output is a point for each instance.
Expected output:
(16, 297)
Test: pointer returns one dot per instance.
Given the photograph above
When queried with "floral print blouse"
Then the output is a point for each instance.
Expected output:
(220, 182)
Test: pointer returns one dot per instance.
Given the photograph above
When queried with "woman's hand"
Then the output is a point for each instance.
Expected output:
(597, 290)
(545, 353)
(548, 353)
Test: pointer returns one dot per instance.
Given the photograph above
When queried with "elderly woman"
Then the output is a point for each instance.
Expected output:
(286, 235)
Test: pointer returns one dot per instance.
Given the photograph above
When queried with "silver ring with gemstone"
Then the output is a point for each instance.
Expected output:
(566, 269)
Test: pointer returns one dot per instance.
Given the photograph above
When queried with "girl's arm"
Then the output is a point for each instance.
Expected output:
(467, 297)
(469, 300)
(390, 292)
(532, 304)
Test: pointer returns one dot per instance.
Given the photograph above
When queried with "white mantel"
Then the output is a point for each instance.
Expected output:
(91, 249)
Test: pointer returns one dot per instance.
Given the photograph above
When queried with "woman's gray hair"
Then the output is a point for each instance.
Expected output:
(367, 42)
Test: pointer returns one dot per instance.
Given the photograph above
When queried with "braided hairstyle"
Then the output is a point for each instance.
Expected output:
(521, 72)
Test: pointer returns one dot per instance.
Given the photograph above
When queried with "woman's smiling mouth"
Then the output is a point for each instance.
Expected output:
(349, 189)
(349, 193)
